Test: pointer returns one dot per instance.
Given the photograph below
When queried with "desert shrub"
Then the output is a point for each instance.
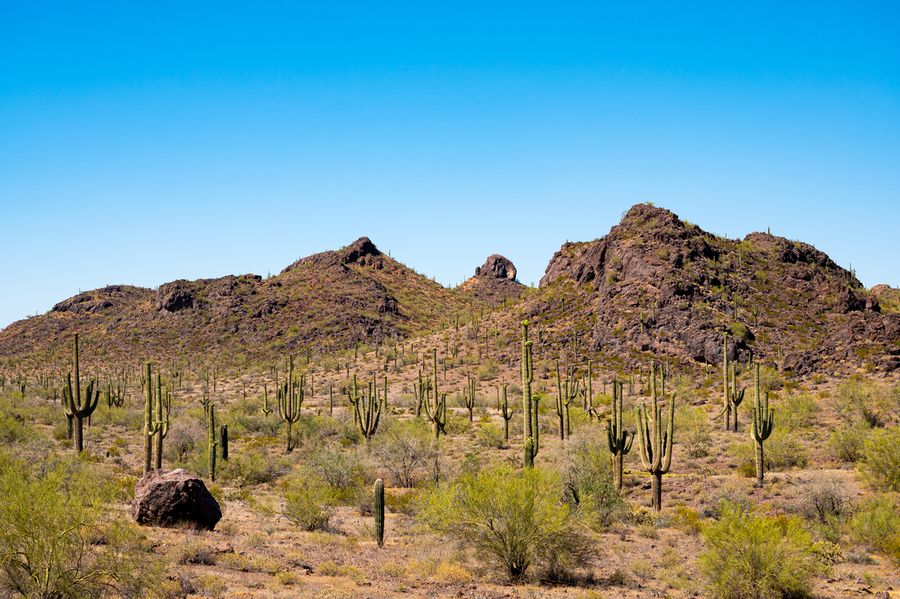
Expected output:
(404, 448)
(183, 439)
(822, 499)
(881, 459)
(687, 520)
(588, 484)
(487, 370)
(55, 541)
(694, 427)
(12, 425)
(252, 467)
(753, 556)
(512, 519)
(728, 495)
(340, 469)
(307, 501)
(798, 411)
(783, 451)
(876, 526)
(457, 424)
(846, 443)
(860, 400)
(490, 436)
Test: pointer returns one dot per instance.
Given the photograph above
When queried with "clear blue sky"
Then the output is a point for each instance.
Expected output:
(163, 140)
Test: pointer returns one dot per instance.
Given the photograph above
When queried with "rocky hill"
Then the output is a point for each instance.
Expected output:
(659, 285)
(323, 302)
(653, 286)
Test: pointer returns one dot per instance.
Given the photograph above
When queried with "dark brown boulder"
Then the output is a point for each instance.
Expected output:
(174, 498)
(497, 267)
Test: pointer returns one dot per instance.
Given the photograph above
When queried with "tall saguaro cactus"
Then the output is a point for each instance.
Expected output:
(726, 396)
(763, 423)
(528, 433)
(379, 512)
(211, 443)
(469, 395)
(159, 428)
(507, 414)
(619, 439)
(737, 397)
(436, 413)
(290, 401)
(148, 418)
(369, 407)
(76, 404)
(567, 390)
(656, 444)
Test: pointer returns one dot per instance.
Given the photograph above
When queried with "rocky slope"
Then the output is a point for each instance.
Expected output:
(324, 302)
(653, 286)
(659, 285)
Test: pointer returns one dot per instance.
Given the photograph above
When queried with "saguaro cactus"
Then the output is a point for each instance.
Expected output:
(763, 423)
(379, 512)
(159, 428)
(211, 443)
(290, 401)
(223, 441)
(529, 417)
(469, 395)
(655, 444)
(369, 407)
(566, 392)
(76, 404)
(436, 413)
(266, 410)
(726, 396)
(507, 414)
(737, 397)
(620, 440)
(148, 418)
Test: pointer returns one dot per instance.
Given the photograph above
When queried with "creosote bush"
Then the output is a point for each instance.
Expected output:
(876, 526)
(588, 485)
(752, 556)
(56, 539)
(308, 501)
(881, 459)
(513, 519)
(405, 449)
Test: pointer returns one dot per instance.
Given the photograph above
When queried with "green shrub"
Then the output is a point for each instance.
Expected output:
(798, 411)
(252, 467)
(489, 436)
(339, 468)
(54, 541)
(783, 451)
(751, 556)
(881, 459)
(307, 501)
(876, 526)
(12, 426)
(693, 425)
(513, 519)
(846, 444)
(405, 448)
(588, 485)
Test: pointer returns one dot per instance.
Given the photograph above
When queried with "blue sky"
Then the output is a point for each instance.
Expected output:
(143, 142)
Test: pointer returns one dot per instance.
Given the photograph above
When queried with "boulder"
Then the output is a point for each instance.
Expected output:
(174, 498)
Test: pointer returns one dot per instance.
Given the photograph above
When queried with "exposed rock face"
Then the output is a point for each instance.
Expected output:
(174, 498)
(657, 285)
(175, 296)
(494, 281)
(497, 267)
(360, 250)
